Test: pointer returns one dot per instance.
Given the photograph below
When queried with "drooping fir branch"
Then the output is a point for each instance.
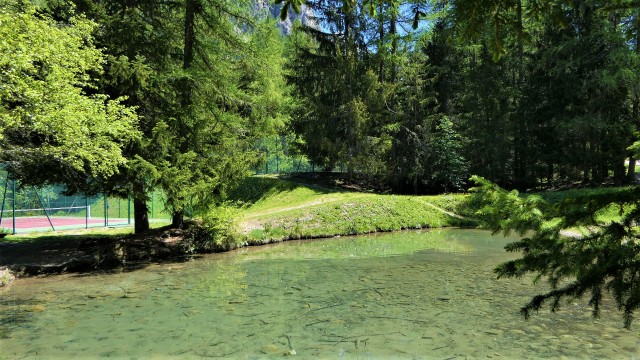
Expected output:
(605, 258)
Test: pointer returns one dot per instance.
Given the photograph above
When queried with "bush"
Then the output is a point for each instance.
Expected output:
(217, 231)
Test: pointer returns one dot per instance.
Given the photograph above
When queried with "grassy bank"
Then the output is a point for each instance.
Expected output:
(604, 216)
(270, 209)
(260, 210)
(267, 209)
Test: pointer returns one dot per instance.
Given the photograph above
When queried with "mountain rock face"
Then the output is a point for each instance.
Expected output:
(306, 15)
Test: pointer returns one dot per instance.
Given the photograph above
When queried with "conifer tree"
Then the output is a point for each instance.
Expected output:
(203, 88)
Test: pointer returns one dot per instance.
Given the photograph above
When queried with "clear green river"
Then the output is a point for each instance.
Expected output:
(408, 295)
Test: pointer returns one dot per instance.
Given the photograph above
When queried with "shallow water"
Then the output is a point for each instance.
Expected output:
(423, 295)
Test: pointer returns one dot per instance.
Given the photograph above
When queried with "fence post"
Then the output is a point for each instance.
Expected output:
(46, 212)
(106, 218)
(4, 198)
(13, 206)
(129, 209)
(87, 212)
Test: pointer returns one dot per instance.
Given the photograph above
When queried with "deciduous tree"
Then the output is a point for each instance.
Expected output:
(54, 127)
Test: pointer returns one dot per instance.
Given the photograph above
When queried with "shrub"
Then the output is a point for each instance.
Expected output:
(217, 231)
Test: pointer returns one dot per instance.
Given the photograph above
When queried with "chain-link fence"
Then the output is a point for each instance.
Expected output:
(28, 208)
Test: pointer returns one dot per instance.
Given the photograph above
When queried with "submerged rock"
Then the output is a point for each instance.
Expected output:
(6, 277)
(35, 308)
(272, 349)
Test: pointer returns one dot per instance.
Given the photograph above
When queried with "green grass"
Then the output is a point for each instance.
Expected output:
(266, 209)
(557, 196)
(274, 209)
(603, 216)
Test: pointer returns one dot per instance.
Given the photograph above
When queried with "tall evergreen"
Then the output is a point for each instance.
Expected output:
(203, 87)
(578, 99)
(338, 89)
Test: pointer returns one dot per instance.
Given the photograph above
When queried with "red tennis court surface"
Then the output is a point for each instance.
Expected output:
(37, 223)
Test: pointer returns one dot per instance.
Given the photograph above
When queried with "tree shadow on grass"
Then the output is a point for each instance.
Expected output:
(255, 188)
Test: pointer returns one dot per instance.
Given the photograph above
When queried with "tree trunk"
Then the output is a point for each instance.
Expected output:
(381, 44)
(189, 32)
(618, 173)
(520, 145)
(140, 209)
(140, 214)
(394, 44)
(177, 219)
(631, 173)
(187, 83)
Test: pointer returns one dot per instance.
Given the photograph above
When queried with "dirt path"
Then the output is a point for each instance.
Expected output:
(295, 207)
(441, 210)
(250, 222)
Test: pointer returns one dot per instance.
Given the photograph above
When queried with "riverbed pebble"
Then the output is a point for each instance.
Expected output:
(6, 277)
(271, 349)
(34, 308)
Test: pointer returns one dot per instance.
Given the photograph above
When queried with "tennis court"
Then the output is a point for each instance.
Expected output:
(40, 223)
(40, 209)
(43, 223)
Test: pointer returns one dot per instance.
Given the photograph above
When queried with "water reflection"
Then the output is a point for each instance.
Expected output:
(408, 295)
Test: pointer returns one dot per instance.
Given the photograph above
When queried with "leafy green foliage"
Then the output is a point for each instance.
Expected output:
(578, 90)
(51, 127)
(293, 4)
(340, 97)
(218, 231)
(607, 258)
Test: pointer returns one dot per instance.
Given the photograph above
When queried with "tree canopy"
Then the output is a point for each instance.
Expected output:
(53, 124)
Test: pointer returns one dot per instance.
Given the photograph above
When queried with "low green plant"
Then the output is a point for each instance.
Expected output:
(218, 231)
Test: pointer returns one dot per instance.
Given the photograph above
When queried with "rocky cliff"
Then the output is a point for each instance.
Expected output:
(306, 15)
